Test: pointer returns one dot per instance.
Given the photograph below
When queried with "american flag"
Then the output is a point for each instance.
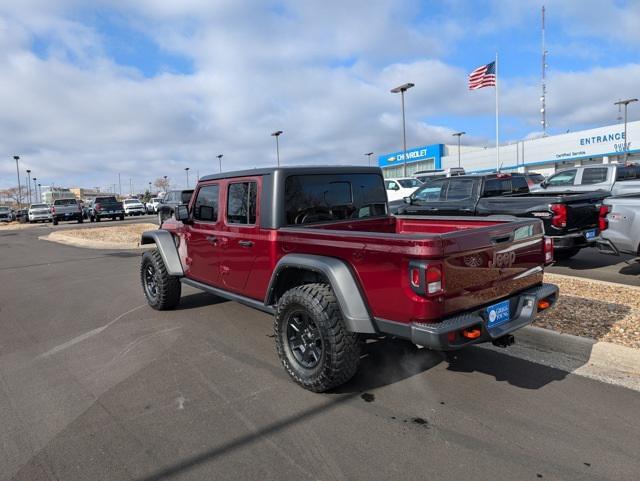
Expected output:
(484, 76)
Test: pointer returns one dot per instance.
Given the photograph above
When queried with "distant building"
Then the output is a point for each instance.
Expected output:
(51, 193)
(545, 155)
(81, 193)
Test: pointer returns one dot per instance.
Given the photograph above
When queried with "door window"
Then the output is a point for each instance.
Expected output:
(430, 192)
(562, 178)
(391, 185)
(241, 203)
(594, 175)
(206, 206)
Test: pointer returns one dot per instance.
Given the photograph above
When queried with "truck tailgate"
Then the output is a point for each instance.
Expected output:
(487, 264)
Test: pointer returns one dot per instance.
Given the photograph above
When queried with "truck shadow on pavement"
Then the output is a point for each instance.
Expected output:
(389, 361)
(200, 299)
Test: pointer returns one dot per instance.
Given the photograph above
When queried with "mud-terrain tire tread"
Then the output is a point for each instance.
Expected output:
(169, 287)
(342, 347)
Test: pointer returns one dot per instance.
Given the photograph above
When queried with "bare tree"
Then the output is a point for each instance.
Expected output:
(13, 193)
(162, 183)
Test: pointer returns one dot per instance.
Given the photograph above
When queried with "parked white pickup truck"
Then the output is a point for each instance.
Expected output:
(615, 178)
(620, 225)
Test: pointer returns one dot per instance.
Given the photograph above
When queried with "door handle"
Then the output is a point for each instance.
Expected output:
(212, 239)
(245, 243)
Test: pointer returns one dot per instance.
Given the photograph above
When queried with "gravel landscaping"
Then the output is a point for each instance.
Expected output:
(599, 310)
(118, 237)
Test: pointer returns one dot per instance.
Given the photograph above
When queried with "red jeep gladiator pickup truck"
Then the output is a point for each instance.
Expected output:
(316, 247)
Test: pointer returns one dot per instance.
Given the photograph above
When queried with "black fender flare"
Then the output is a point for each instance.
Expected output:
(166, 245)
(352, 303)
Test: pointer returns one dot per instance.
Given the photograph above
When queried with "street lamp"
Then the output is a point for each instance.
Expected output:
(29, 184)
(277, 134)
(369, 154)
(220, 160)
(165, 183)
(17, 158)
(35, 188)
(401, 90)
(459, 134)
(626, 144)
(40, 194)
(186, 169)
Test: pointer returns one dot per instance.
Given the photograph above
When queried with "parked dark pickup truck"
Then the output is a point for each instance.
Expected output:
(570, 219)
(103, 207)
(315, 247)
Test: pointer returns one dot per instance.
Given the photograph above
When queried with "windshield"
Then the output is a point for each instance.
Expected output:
(156, 200)
(132, 201)
(4, 209)
(39, 206)
(409, 183)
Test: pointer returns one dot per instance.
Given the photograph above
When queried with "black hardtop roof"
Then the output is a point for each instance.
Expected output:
(295, 170)
(492, 175)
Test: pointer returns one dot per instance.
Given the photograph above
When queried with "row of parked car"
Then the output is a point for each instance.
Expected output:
(579, 206)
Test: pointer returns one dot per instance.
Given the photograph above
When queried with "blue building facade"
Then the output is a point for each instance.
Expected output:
(426, 157)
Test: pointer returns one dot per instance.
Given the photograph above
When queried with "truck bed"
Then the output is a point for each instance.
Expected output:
(482, 259)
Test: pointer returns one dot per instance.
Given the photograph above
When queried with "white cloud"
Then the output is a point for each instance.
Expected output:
(319, 71)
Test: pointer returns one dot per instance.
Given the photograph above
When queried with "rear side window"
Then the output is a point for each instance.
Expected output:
(241, 203)
(65, 202)
(391, 185)
(206, 206)
(594, 175)
(321, 198)
(497, 187)
(460, 189)
(628, 173)
(519, 185)
(562, 178)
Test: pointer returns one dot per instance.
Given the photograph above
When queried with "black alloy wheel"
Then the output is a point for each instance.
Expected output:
(304, 339)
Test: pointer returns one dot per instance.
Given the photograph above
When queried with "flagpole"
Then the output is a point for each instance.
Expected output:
(497, 121)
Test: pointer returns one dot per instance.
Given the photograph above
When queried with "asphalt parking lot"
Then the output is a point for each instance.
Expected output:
(96, 385)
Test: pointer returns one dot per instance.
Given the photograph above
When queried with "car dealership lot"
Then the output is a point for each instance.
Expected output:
(96, 385)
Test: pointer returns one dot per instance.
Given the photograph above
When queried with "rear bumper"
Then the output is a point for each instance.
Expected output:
(445, 335)
(68, 216)
(605, 246)
(573, 240)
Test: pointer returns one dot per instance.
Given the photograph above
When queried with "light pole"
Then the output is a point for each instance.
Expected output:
(626, 144)
(149, 188)
(277, 134)
(186, 169)
(119, 185)
(35, 188)
(40, 194)
(402, 89)
(459, 134)
(17, 158)
(165, 183)
(29, 185)
(369, 154)
(220, 161)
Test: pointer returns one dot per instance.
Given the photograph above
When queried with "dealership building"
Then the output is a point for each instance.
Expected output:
(544, 155)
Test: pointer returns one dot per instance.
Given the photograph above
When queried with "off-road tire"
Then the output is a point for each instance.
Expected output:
(565, 254)
(340, 355)
(168, 288)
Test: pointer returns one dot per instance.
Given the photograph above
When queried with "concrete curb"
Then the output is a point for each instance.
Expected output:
(594, 281)
(60, 238)
(603, 361)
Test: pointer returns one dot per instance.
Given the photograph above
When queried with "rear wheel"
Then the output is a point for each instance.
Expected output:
(80, 220)
(55, 221)
(122, 217)
(161, 289)
(97, 218)
(312, 341)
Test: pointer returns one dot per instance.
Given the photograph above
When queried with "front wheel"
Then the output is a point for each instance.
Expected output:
(312, 341)
(161, 289)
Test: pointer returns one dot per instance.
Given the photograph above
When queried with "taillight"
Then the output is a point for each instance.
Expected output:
(425, 278)
(603, 222)
(548, 250)
(434, 279)
(559, 218)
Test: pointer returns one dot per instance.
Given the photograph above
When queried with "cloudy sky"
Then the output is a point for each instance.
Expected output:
(145, 88)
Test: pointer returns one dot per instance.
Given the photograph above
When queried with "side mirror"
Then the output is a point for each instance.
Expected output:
(544, 184)
(407, 200)
(182, 213)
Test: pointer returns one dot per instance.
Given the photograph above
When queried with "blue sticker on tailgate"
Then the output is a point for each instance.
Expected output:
(590, 234)
(498, 314)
